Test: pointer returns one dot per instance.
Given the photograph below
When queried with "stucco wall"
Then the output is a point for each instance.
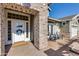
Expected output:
(74, 24)
(65, 27)
(55, 28)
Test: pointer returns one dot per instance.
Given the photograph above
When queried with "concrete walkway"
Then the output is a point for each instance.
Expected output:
(61, 49)
(57, 44)
(25, 50)
(55, 48)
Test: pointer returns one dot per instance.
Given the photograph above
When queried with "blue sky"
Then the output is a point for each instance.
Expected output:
(60, 10)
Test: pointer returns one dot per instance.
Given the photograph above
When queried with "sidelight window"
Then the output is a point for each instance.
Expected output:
(26, 30)
(9, 30)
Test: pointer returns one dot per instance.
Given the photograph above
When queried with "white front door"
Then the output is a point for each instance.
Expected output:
(19, 31)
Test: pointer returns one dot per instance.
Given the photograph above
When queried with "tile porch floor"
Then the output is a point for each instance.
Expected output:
(25, 50)
(55, 48)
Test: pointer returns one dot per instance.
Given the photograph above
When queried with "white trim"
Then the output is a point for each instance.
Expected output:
(6, 41)
(9, 42)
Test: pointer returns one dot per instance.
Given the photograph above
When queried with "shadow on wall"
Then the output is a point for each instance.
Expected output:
(7, 48)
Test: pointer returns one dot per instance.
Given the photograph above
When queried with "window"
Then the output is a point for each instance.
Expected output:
(26, 30)
(48, 29)
(78, 21)
(16, 16)
(61, 25)
(51, 29)
(9, 30)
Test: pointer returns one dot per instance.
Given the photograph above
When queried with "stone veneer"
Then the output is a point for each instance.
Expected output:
(40, 25)
(2, 31)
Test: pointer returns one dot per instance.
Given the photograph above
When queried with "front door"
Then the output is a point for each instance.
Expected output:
(19, 31)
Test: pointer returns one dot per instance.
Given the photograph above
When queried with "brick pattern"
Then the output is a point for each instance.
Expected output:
(17, 7)
(41, 25)
(36, 30)
(2, 31)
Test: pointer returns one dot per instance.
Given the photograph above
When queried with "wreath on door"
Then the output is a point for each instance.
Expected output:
(19, 31)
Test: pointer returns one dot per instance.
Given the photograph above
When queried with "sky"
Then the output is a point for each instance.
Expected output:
(60, 10)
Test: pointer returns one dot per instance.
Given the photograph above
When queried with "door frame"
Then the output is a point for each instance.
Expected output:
(11, 42)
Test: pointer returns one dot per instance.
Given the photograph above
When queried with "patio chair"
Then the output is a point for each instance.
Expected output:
(52, 37)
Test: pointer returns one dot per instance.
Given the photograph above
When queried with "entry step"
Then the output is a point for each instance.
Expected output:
(21, 43)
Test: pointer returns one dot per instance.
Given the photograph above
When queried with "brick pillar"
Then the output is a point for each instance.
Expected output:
(2, 31)
(43, 27)
(40, 25)
(36, 30)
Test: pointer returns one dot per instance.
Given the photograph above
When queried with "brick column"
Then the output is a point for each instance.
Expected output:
(36, 30)
(40, 25)
(43, 27)
(2, 31)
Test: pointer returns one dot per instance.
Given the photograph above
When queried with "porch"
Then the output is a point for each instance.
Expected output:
(35, 29)
(23, 49)
(55, 48)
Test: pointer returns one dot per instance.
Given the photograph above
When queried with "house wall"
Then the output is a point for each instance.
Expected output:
(40, 25)
(78, 27)
(56, 27)
(2, 30)
(32, 28)
(49, 28)
(73, 23)
(65, 28)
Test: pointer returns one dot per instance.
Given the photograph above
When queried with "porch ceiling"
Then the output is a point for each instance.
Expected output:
(17, 7)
